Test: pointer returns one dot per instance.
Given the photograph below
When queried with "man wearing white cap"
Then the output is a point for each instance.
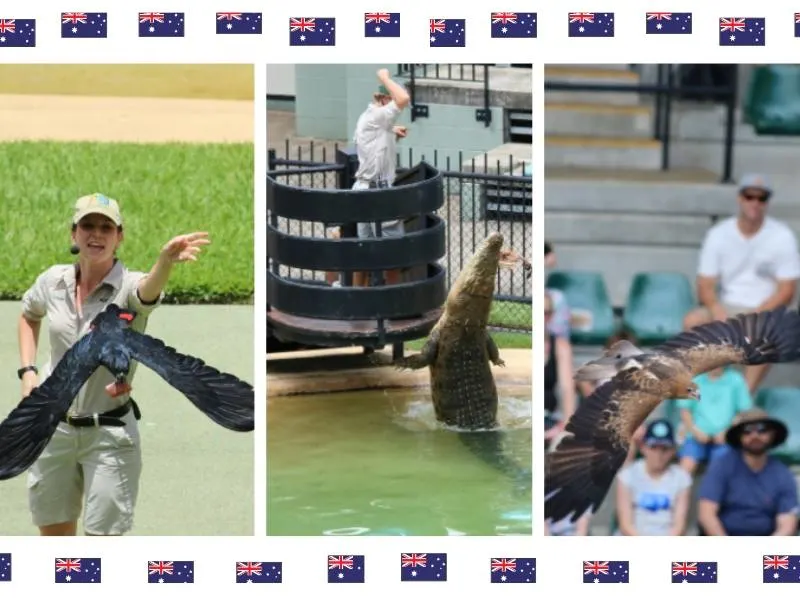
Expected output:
(748, 263)
(91, 464)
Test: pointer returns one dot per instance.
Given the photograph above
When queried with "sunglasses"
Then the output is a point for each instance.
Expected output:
(755, 428)
(762, 198)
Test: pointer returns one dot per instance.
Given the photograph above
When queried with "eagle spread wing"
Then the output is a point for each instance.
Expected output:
(751, 339)
(28, 428)
(224, 398)
(581, 468)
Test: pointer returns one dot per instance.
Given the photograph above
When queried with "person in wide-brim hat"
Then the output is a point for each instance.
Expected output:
(756, 418)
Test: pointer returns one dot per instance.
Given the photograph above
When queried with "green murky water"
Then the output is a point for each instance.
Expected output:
(377, 463)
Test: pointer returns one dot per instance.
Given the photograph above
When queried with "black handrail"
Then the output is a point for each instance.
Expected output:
(665, 94)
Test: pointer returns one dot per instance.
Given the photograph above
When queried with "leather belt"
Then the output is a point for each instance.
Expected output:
(110, 418)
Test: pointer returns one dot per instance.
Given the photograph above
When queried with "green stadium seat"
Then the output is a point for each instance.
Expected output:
(784, 403)
(656, 305)
(772, 103)
(592, 315)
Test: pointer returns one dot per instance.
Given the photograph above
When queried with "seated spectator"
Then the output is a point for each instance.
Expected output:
(754, 261)
(724, 394)
(747, 491)
(653, 492)
(558, 374)
(559, 323)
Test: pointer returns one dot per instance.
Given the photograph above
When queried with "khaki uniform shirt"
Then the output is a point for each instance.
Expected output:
(53, 295)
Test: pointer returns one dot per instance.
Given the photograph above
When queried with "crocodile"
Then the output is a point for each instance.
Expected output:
(459, 353)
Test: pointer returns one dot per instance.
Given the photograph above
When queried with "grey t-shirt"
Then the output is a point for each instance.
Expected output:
(375, 142)
(653, 499)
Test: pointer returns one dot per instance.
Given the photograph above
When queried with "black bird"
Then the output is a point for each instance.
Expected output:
(110, 343)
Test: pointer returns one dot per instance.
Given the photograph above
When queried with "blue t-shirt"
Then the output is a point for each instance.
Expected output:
(720, 401)
(749, 501)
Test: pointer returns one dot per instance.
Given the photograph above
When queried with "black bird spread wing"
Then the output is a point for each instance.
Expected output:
(581, 468)
(28, 428)
(752, 339)
(224, 398)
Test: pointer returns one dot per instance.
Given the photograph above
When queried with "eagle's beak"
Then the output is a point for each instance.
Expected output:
(595, 370)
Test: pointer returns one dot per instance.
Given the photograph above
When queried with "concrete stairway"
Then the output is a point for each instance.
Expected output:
(599, 129)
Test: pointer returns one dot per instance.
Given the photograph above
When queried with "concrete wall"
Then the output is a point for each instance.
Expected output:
(280, 80)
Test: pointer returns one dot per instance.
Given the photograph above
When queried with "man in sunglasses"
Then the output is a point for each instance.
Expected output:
(748, 263)
(747, 491)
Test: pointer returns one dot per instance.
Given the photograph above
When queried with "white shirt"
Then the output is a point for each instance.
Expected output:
(375, 142)
(748, 269)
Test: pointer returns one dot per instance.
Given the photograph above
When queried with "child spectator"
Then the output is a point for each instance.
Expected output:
(653, 492)
(724, 394)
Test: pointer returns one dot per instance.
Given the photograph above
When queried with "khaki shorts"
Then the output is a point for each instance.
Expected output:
(731, 309)
(94, 468)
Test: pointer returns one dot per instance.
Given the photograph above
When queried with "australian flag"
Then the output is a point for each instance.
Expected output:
(796, 24)
(668, 23)
(346, 569)
(423, 567)
(378, 24)
(238, 23)
(609, 571)
(156, 24)
(18, 33)
(448, 33)
(5, 567)
(741, 31)
(77, 570)
(513, 25)
(312, 31)
(585, 24)
(168, 571)
(513, 570)
(782, 569)
(694, 572)
(84, 25)
(259, 572)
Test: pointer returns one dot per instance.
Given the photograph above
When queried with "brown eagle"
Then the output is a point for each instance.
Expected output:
(582, 464)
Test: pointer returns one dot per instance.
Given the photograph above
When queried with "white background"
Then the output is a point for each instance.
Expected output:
(558, 559)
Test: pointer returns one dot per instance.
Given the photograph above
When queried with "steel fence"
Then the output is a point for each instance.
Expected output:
(480, 197)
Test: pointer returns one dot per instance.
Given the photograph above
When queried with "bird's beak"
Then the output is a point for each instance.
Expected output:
(696, 395)
(595, 370)
(126, 316)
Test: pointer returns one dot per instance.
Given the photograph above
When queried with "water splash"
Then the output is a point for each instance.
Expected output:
(417, 413)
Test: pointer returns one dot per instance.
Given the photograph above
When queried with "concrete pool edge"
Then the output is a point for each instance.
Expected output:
(360, 375)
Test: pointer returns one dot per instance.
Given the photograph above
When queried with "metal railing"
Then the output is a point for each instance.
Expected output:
(479, 197)
(666, 90)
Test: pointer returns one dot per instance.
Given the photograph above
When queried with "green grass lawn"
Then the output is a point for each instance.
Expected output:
(221, 82)
(164, 190)
(503, 314)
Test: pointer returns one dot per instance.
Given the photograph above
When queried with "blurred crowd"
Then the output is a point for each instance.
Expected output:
(716, 452)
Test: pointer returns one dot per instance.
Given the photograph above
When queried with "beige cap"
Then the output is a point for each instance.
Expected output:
(97, 204)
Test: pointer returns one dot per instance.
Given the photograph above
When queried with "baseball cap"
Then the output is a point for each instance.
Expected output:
(754, 181)
(383, 90)
(659, 433)
(97, 204)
